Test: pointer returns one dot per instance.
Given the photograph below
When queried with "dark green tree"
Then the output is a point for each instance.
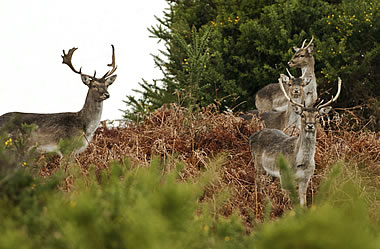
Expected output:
(250, 43)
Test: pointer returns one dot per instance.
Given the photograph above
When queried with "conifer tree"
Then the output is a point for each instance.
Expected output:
(250, 43)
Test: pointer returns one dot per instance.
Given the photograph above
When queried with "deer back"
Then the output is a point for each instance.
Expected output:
(270, 98)
(51, 128)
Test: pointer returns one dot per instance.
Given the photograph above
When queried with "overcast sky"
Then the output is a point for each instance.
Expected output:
(34, 33)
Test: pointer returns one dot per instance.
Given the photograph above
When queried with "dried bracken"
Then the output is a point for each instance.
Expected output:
(175, 134)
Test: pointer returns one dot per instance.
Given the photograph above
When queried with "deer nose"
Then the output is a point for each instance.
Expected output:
(310, 127)
(106, 95)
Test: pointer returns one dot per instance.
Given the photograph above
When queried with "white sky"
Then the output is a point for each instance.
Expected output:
(34, 33)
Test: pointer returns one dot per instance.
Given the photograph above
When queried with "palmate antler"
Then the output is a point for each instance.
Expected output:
(68, 57)
(67, 60)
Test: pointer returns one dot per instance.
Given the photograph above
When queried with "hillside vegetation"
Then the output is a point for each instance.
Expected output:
(183, 179)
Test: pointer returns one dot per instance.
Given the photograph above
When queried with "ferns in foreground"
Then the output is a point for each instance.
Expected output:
(131, 206)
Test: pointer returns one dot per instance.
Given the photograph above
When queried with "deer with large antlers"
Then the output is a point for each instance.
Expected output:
(289, 118)
(267, 144)
(271, 98)
(52, 127)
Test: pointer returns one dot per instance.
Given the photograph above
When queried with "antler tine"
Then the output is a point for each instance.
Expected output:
(290, 75)
(286, 95)
(334, 98)
(113, 65)
(312, 38)
(67, 59)
(304, 73)
(303, 44)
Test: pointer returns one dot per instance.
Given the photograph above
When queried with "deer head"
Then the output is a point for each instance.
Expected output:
(302, 55)
(295, 85)
(310, 115)
(97, 86)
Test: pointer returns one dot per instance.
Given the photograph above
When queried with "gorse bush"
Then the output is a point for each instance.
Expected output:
(131, 208)
(251, 42)
(142, 207)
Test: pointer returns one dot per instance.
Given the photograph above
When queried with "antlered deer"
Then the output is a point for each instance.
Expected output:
(304, 59)
(289, 118)
(52, 127)
(271, 98)
(267, 144)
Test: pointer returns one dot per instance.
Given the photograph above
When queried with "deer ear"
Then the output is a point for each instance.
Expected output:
(86, 80)
(297, 109)
(285, 79)
(306, 81)
(110, 80)
(296, 49)
(324, 110)
(310, 48)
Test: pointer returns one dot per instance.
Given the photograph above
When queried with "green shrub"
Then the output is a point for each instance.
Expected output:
(341, 218)
(131, 208)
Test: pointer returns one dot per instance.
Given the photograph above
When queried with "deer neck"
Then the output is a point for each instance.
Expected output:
(311, 88)
(293, 119)
(91, 114)
(309, 69)
(305, 147)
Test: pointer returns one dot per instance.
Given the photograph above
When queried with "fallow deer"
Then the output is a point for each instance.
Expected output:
(304, 59)
(52, 127)
(289, 118)
(267, 144)
(271, 98)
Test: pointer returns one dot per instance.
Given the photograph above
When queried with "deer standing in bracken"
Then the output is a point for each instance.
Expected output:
(304, 59)
(267, 144)
(271, 98)
(52, 127)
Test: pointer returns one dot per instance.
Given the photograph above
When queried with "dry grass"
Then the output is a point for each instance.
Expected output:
(174, 134)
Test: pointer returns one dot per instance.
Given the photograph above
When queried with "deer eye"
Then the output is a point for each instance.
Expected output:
(302, 55)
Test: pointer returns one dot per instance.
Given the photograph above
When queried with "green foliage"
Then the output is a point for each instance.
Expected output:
(251, 42)
(131, 208)
(14, 154)
(287, 179)
(188, 88)
(340, 219)
(68, 145)
(194, 65)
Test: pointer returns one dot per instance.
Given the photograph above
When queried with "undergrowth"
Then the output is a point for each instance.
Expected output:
(177, 135)
(185, 180)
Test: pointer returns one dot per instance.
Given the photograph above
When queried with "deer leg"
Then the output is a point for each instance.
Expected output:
(302, 188)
